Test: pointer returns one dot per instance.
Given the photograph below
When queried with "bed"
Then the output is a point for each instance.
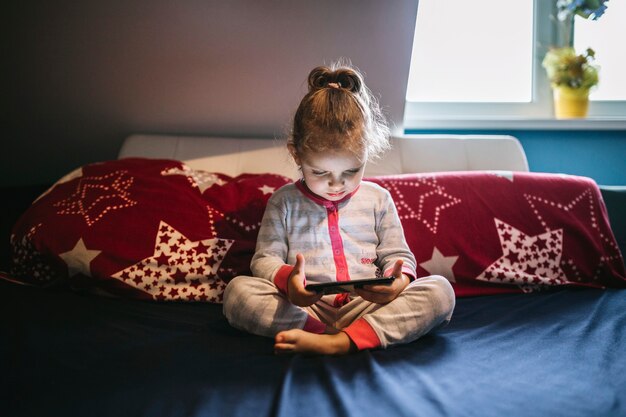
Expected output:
(79, 338)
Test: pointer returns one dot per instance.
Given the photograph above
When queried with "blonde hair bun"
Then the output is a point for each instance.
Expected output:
(339, 112)
(345, 78)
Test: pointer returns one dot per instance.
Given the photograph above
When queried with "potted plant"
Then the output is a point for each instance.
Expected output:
(571, 77)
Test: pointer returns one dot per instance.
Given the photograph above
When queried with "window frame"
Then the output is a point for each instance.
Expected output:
(537, 114)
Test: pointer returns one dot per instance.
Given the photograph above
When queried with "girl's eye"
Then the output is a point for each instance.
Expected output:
(319, 173)
(353, 172)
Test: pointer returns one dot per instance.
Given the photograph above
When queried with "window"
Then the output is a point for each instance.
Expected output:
(459, 66)
(481, 61)
(603, 36)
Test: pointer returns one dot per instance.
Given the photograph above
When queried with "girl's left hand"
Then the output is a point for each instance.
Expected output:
(382, 294)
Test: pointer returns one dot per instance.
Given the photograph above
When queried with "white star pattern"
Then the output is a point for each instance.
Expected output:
(179, 269)
(233, 220)
(212, 212)
(440, 265)
(585, 195)
(198, 179)
(95, 196)
(585, 198)
(78, 259)
(266, 189)
(27, 261)
(428, 212)
(526, 260)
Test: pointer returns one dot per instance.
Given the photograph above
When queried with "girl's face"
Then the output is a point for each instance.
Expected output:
(332, 174)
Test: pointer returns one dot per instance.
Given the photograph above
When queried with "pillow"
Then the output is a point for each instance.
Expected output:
(156, 229)
(142, 228)
(494, 232)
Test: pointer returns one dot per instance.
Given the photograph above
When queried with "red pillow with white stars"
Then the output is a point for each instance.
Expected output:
(495, 232)
(156, 229)
(142, 228)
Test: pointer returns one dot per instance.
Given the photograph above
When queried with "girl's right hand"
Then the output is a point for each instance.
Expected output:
(296, 292)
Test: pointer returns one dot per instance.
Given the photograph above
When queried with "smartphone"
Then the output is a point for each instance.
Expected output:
(337, 287)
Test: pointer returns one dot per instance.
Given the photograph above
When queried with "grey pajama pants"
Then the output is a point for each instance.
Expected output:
(257, 306)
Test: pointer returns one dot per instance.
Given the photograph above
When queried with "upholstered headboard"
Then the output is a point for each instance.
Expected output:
(411, 153)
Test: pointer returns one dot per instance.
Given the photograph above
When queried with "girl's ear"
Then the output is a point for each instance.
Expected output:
(294, 153)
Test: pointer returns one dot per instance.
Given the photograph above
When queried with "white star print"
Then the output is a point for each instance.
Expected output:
(584, 197)
(527, 260)
(179, 268)
(440, 265)
(235, 221)
(266, 189)
(95, 196)
(79, 258)
(198, 179)
(27, 260)
(587, 203)
(432, 201)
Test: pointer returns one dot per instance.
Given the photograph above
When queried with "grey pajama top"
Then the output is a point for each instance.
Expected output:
(357, 237)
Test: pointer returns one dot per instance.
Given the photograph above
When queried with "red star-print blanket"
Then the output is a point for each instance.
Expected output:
(158, 230)
(492, 232)
(151, 229)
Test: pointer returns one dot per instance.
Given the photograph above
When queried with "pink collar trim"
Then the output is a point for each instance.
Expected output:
(301, 185)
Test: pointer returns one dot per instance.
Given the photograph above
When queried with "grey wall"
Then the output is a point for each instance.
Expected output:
(85, 74)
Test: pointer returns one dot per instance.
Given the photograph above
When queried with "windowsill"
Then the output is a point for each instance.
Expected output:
(590, 123)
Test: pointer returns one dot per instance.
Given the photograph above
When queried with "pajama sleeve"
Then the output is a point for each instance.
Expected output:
(271, 247)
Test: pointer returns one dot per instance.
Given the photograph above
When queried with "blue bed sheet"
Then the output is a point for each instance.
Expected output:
(557, 353)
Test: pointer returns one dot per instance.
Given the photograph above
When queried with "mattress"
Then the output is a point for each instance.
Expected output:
(557, 353)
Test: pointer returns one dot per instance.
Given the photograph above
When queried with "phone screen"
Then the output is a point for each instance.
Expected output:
(337, 287)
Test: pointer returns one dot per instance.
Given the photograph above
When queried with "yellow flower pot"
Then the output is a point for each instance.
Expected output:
(570, 103)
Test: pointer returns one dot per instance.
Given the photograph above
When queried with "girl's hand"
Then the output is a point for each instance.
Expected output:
(296, 292)
(382, 294)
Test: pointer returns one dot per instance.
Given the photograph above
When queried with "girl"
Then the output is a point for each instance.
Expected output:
(332, 226)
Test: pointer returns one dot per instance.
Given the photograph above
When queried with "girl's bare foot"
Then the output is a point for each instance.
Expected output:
(300, 341)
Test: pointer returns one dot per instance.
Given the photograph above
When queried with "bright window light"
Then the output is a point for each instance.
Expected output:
(462, 53)
(606, 37)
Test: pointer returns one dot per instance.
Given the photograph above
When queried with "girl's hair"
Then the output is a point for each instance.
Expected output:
(339, 113)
